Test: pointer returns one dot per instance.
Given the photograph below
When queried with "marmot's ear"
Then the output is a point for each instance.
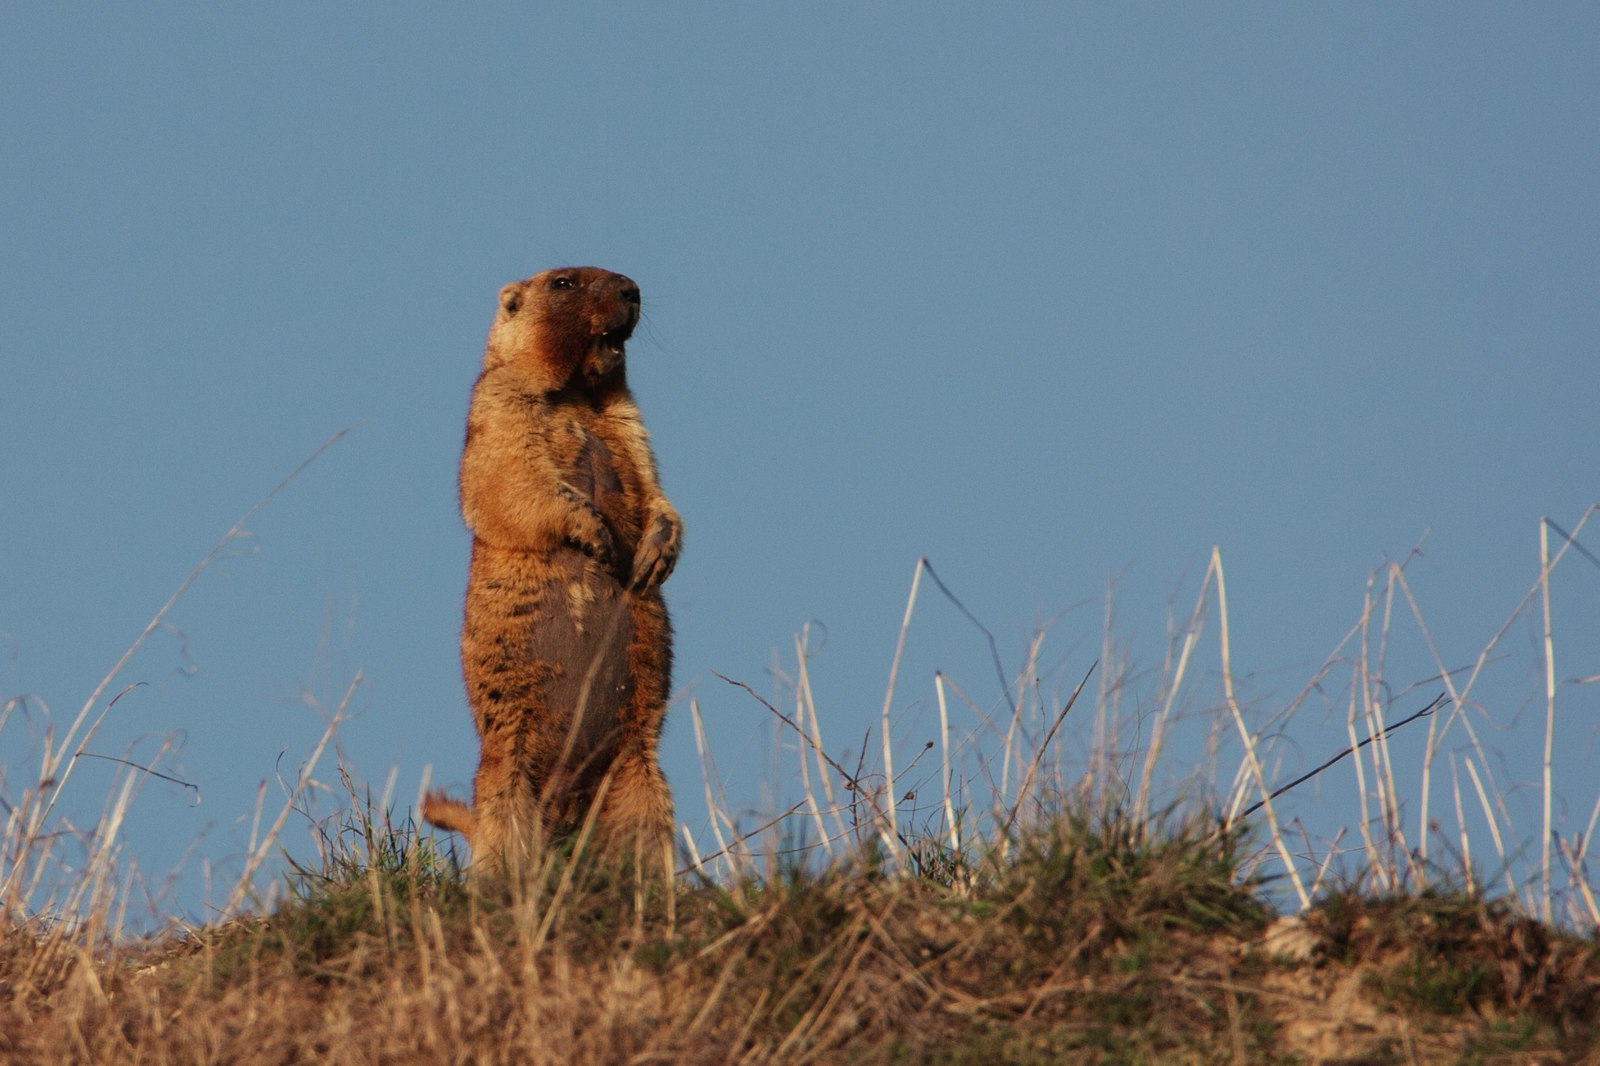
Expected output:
(511, 297)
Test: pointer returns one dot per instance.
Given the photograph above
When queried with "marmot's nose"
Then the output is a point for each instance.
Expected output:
(628, 290)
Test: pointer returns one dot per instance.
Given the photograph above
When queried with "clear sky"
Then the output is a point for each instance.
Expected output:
(1057, 296)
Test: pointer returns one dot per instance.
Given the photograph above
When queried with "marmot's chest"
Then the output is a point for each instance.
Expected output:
(602, 473)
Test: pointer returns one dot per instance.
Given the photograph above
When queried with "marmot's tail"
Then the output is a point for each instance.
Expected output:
(450, 814)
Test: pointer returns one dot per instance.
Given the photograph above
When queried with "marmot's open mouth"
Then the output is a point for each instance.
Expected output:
(614, 340)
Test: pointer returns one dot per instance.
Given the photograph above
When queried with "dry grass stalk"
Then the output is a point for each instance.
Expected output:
(1248, 741)
(1549, 713)
(889, 839)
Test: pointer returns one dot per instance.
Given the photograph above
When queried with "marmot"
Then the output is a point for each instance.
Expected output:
(566, 646)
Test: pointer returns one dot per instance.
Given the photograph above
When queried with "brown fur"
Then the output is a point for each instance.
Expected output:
(566, 646)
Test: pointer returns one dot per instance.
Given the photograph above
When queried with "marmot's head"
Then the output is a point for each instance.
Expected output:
(563, 324)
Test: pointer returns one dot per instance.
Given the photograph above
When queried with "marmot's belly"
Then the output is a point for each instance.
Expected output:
(545, 646)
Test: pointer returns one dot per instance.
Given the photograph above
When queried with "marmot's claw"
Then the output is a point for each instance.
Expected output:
(647, 571)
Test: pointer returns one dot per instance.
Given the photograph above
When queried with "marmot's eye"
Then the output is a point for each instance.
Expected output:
(561, 283)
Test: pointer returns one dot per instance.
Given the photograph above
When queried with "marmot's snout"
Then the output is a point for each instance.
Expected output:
(628, 291)
(617, 326)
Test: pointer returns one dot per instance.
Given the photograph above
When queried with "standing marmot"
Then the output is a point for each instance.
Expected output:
(566, 646)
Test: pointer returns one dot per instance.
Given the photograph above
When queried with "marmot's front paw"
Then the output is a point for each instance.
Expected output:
(588, 530)
(658, 551)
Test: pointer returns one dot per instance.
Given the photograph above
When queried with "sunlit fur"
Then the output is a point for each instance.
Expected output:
(566, 645)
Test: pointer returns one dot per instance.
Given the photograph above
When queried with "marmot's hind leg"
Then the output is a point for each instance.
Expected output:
(638, 805)
(636, 822)
(507, 828)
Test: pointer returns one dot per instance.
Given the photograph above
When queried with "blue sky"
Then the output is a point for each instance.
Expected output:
(1056, 296)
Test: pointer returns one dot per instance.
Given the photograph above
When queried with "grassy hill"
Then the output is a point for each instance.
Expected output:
(1047, 899)
(1085, 939)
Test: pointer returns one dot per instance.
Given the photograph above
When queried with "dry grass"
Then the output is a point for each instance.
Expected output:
(1097, 940)
(1042, 882)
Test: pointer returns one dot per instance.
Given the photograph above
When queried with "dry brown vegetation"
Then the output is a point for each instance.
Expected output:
(1030, 892)
(1097, 940)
